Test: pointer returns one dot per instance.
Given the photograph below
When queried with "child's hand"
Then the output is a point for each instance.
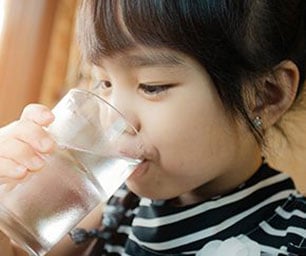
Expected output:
(24, 142)
(8, 248)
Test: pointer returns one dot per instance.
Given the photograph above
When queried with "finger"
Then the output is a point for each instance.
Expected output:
(37, 113)
(23, 154)
(30, 133)
(12, 170)
(7, 184)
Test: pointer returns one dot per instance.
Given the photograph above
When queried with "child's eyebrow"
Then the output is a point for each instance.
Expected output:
(156, 59)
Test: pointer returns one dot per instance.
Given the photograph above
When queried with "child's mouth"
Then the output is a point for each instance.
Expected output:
(141, 168)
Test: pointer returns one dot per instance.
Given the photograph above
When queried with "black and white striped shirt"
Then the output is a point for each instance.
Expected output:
(267, 209)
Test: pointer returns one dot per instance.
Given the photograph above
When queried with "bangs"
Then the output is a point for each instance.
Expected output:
(106, 27)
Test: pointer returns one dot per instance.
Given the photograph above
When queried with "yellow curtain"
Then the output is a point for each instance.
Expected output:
(63, 60)
(24, 45)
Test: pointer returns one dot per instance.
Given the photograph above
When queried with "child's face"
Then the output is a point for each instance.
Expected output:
(190, 140)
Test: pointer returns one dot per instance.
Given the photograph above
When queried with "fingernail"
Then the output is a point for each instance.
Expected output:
(37, 162)
(47, 115)
(45, 144)
(20, 169)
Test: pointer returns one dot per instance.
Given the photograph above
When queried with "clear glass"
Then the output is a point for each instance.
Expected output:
(97, 150)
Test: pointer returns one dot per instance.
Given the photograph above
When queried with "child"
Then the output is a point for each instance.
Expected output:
(203, 82)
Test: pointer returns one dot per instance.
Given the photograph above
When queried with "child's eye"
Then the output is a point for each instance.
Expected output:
(102, 84)
(154, 89)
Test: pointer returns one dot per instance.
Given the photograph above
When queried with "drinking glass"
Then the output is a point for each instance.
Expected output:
(97, 150)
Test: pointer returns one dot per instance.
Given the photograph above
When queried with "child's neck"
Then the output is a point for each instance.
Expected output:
(219, 186)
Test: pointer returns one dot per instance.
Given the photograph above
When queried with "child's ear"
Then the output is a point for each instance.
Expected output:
(278, 93)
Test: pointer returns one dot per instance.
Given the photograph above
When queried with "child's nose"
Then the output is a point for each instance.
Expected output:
(126, 107)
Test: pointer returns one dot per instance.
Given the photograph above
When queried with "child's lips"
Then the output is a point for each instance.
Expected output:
(146, 156)
(141, 168)
(143, 156)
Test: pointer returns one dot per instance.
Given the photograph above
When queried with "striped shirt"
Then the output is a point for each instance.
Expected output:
(266, 208)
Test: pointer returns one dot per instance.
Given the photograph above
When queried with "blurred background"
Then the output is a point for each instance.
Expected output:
(40, 61)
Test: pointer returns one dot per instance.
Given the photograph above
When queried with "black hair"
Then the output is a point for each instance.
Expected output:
(235, 40)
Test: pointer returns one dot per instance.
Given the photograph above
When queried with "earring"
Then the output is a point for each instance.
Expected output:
(257, 122)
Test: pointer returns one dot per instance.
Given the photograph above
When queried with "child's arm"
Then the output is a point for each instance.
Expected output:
(8, 248)
(66, 247)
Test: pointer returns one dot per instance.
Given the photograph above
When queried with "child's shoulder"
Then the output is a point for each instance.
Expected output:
(294, 209)
(286, 229)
